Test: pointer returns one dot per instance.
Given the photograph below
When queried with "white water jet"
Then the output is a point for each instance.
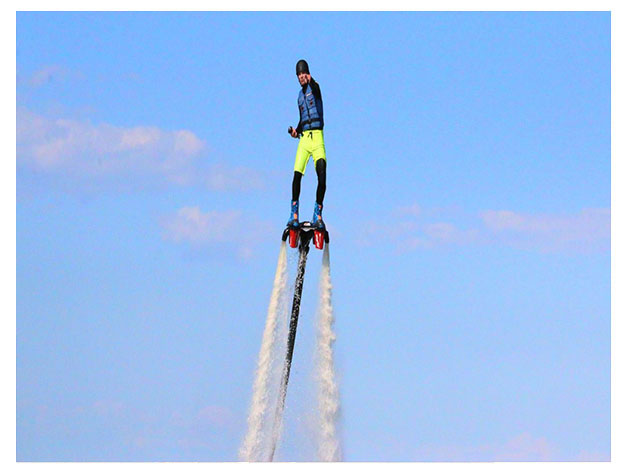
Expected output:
(255, 443)
(329, 449)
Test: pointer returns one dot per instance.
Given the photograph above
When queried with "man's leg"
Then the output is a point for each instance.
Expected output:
(320, 161)
(296, 185)
(300, 163)
(293, 221)
(321, 171)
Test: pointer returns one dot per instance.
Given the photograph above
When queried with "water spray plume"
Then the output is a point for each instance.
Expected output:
(298, 288)
(254, 445)
(329, 449)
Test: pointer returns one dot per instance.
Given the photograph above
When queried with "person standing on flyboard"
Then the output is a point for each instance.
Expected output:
(311, 143)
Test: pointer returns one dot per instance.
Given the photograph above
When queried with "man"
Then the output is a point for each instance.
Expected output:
(311, 142)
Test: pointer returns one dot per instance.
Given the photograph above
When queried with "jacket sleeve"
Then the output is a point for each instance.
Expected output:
(315, 89)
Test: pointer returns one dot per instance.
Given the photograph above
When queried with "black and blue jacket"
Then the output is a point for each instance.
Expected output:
(310, 107)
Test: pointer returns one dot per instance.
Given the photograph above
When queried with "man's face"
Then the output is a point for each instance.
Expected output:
(303, 78)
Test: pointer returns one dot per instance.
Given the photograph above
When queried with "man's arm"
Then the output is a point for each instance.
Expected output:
(315, 89)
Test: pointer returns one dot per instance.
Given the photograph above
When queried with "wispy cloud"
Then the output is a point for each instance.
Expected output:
(131, 428)
(190, 224)
(587, 230)
(203, 229)
(50, 73)
(79, 152)
(442, 234)
(525, 448)
(410, 210)
(521, 448)
(62, 145)
(593, 456)
(223, 178)
(415, 227)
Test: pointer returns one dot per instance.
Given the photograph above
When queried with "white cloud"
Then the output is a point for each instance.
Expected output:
(190, 224)
(525, 448)
(222, 178)
(586, 230)
(82, 148)
(521, 448)
(82, 152)
(410, 210)
(219, 230)
(445, 233)
(50, 73)
(441, 234)
(215, 415)
(593, 456)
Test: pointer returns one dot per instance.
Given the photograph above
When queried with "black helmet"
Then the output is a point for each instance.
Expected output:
(302, 67)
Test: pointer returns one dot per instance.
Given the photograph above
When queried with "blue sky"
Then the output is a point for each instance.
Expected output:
(468, 203)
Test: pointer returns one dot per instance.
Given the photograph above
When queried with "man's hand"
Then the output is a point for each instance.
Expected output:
(292, 132)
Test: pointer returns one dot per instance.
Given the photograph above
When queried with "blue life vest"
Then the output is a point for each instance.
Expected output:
(310, 107)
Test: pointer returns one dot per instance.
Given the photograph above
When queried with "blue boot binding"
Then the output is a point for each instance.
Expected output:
(293, 221)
